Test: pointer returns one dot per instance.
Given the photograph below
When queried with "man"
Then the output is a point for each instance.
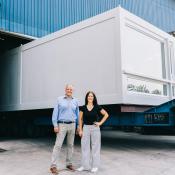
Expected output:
(64, 117)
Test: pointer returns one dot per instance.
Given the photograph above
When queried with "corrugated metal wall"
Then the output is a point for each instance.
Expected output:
(41, 17)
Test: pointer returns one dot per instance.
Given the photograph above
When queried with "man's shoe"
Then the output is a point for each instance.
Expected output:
(94, 170)
(54, 170)
(80, 169)
(70, 167)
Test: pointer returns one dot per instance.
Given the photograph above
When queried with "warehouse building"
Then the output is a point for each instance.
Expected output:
(135, 46)
(22, 21)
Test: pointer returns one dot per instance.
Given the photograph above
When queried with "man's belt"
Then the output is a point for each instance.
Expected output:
(66, 122)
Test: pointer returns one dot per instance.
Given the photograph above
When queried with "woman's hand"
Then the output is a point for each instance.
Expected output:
(77, 131)
(80, 133)
(97, 124)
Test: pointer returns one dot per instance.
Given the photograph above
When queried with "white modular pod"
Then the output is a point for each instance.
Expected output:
(86, 55)
(120, 57)
(148, 62)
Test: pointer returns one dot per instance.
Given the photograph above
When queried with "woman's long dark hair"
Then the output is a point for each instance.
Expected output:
(95, 98)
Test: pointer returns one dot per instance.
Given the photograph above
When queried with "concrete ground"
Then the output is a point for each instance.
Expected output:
(121, 154)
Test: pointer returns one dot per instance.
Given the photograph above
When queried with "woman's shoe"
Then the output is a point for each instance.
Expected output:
(70, 167)
(94, 170)
(80, 169)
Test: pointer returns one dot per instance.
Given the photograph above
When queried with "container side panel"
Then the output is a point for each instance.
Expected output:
(82, 58)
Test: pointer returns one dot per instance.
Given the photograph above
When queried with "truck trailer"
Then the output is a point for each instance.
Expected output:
(126, 61)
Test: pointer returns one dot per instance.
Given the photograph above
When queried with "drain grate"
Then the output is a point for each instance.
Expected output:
(2, 150)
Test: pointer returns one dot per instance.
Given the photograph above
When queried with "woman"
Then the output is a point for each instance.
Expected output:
(89, 131)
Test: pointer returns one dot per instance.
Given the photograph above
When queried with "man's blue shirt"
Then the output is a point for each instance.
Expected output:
(66, 109)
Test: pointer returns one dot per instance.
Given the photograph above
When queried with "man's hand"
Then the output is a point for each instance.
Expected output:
(56, 129)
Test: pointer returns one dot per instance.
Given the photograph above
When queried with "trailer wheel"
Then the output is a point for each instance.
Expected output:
(145, 130)
(127, 128)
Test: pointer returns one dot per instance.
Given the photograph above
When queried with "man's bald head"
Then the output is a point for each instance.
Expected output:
(69, 90)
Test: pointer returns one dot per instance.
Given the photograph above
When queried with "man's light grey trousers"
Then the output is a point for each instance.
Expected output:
(68, 129)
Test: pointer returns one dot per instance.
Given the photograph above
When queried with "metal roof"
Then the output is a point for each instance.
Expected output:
(10, 40)
(41, 17)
